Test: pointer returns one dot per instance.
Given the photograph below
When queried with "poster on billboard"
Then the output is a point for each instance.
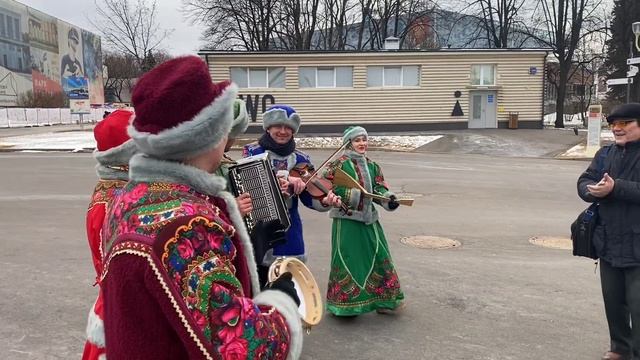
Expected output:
(92, 54)
(72, 75)
(80, 106)
(45, 60)
(76, 87)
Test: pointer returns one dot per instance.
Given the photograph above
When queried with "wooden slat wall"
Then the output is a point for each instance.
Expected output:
(442, 73)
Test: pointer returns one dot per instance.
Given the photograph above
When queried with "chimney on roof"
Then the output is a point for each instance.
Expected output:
(392, 43)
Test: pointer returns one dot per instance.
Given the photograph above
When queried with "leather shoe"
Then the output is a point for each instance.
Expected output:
(610, 355)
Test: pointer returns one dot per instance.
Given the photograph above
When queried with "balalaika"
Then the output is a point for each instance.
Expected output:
(255, 176)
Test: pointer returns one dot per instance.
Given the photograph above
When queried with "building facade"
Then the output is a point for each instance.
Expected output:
(43, 54)
(391, 90)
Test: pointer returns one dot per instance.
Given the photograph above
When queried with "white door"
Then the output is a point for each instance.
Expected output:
(482, 110)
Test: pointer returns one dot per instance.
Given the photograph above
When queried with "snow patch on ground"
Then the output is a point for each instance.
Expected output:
(398, 143)
(580, 151)
(82, 140)
(72, 140)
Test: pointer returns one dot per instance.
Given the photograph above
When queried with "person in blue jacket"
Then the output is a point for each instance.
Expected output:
(281, 123)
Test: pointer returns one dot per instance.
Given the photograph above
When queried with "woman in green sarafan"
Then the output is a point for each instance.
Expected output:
(362, 277)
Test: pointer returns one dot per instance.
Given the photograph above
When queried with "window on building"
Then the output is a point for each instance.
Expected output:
(483, 75)
(325, 76)
(393, 76)
(3, 31)
(16, 26)
(258, 77)
(10, 26)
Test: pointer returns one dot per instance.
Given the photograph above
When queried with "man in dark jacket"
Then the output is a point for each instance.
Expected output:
(617, 235)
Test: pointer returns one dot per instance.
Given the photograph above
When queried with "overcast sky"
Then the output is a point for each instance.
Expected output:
(183, 40)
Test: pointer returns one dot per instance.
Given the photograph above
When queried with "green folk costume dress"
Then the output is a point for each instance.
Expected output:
(362, 276)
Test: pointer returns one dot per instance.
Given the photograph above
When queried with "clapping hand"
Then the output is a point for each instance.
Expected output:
(602, 188)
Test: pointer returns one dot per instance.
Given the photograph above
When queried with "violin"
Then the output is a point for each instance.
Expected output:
(317, 187)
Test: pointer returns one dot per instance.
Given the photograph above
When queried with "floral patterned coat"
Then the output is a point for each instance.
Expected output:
(103, 195)
(179, 279)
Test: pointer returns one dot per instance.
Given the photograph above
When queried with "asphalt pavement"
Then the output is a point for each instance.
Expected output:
(496, 296)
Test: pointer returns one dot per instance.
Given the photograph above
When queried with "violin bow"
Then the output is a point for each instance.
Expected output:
(326, 162)
(344, 179)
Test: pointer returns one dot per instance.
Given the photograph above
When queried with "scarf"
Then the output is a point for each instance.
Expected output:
(281, 149)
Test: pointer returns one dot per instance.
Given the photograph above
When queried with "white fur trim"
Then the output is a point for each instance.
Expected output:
(147, 169)
(241, 229)
(118, 155)
(288, 308)
(317, 205)
(354, 197)
(190, 138)
(95, 328)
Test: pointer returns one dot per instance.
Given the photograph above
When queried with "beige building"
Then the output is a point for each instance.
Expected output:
(391, 90)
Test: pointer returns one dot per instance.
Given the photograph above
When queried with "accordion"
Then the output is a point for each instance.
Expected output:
(255, 176)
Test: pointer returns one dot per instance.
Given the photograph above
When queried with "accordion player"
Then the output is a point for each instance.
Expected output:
(254, 175)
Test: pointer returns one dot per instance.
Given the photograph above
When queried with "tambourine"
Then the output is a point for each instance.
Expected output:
(310, 308)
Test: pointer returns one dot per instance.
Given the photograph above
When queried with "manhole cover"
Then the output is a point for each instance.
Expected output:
(552, 242)
(430, 242)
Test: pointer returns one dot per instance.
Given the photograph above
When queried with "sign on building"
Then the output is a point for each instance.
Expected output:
(80, 106)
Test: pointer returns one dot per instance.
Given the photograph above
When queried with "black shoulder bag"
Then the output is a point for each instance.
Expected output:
(582, 229)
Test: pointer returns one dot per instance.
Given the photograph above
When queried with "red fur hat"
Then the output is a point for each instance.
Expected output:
(114, 146)
(180, 112)
(111, 132)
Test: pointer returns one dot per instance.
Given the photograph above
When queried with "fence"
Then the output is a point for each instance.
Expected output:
(25, 117)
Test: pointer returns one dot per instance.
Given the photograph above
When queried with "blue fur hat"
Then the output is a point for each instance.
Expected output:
(281, 115)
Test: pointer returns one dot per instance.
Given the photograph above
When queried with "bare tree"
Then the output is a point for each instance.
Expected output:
(499, 19)
(336, 23)
(250, 24)
(299, 19)
(130, 27)
(564, 24)
(415, 25)
(122, 70)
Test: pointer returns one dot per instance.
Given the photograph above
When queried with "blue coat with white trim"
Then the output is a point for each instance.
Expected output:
(294, 247)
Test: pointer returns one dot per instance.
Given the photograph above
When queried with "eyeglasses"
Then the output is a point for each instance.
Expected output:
(622, 123)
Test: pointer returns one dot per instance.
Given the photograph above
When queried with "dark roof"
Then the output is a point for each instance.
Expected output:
(407, 51)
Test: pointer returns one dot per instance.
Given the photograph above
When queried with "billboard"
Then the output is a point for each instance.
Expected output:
(92, 55)
(45, 62)
(41, 53)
